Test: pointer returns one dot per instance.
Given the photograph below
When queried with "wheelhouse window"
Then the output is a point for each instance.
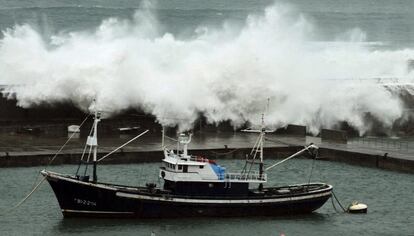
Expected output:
(180, 167)
(170, 166)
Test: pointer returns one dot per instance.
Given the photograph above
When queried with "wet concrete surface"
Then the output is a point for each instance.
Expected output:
(14, 144)
(400, 153)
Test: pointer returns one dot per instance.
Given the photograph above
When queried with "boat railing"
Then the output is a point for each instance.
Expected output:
(199, 159)
(255, 176)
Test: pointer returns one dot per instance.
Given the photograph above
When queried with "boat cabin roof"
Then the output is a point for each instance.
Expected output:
(184, 162)
(179, 159)
(187, 168)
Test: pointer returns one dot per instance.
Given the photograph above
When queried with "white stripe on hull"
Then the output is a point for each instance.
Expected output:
(221, 201)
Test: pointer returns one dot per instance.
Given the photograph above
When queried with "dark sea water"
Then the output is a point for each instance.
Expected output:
(389, 196)
(389, 23)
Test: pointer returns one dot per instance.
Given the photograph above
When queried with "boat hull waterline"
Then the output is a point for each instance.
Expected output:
(88, 199)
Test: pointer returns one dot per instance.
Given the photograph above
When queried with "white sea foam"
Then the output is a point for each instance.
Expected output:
(225, 74)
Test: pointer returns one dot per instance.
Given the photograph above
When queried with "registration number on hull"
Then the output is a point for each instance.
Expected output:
(84, 202)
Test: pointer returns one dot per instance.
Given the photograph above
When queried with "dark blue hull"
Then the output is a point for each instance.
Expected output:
(80, 198)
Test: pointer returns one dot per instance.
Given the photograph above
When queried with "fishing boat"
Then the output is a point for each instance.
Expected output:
(193, 186)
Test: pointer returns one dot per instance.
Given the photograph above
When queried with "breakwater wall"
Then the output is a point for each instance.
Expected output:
(384, 161)
(138, 156)
(124, 157)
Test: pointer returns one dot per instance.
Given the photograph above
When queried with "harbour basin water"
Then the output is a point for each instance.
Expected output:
(388, 24)
(387, 194)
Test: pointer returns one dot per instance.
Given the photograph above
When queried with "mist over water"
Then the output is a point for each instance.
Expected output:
(224, 73)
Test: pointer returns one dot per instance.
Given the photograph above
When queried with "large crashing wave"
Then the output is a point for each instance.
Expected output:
(225, 74)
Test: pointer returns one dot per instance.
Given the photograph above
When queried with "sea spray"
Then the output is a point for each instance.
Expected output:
(225, 74)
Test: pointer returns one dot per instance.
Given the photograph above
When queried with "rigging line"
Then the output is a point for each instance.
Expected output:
(253, 157)
(255, 144)
(168, 146)
(253, 160)
(81, 159)
(175, 140)
(278, 141)
(61, 148)
(89, 152)
(292, 156)
(83, 154)
(87, 161)
(250, 155)
(123, 145)
(57, 153)
(86, 146)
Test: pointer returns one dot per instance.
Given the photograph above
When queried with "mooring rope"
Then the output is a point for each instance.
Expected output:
(311, 171)
(44, 178)
(27, 197)
(333, 204)
(337, 200)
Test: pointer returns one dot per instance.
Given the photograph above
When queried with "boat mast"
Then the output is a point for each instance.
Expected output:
(262, 135)
(93, 142)
(257, 150)
(163, 138)
(262, 140)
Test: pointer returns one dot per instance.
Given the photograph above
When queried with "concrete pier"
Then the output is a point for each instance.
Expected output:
(26, 150)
